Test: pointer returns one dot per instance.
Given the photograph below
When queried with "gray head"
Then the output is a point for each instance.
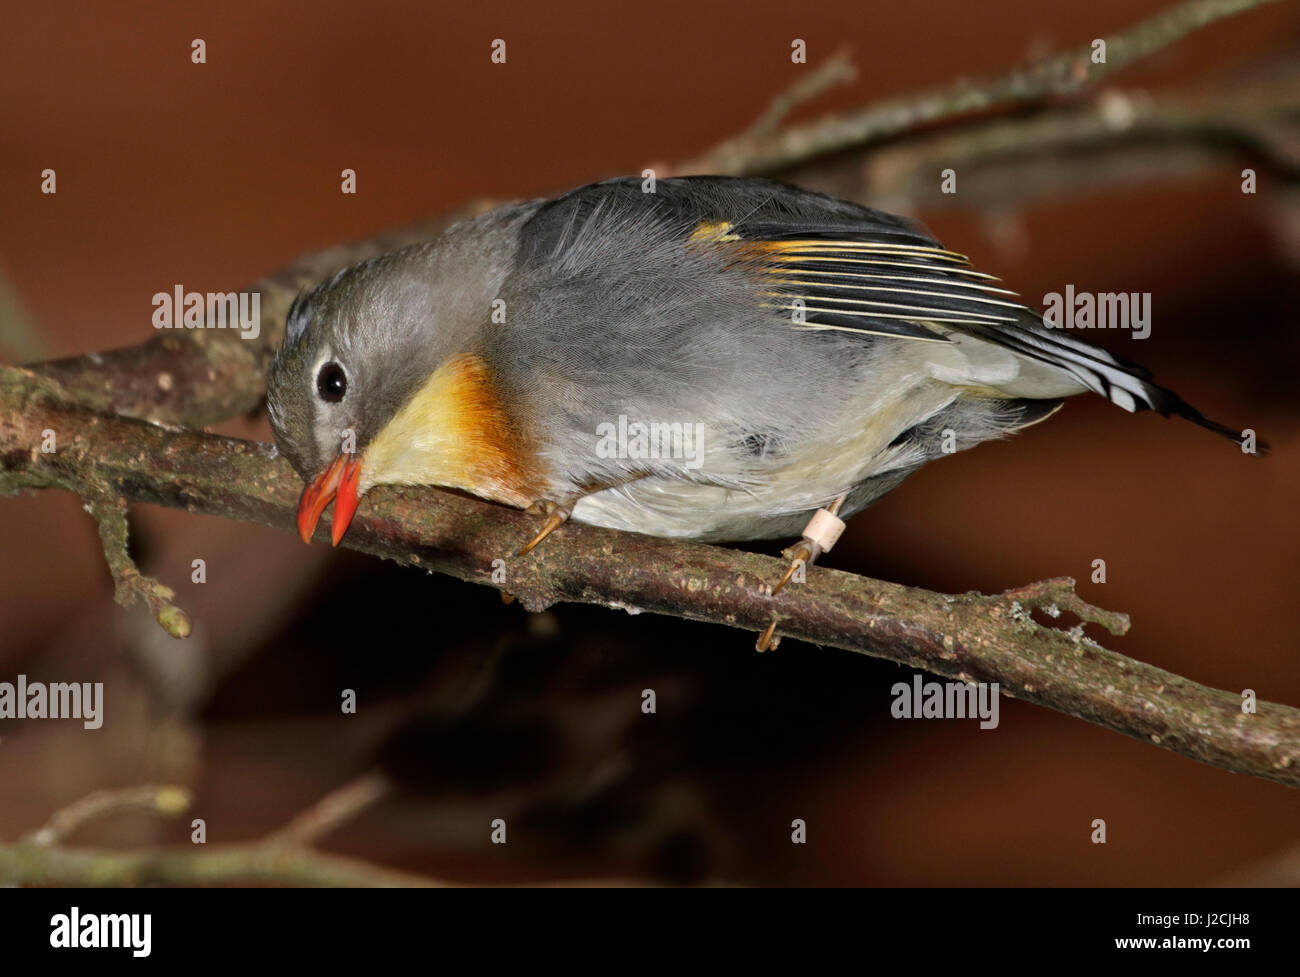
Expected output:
(356, 347)
(368, 386)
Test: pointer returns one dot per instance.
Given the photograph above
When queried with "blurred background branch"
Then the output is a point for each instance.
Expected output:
(760, 151)
(281, 858)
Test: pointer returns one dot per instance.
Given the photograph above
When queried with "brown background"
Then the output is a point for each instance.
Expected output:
(212, 175)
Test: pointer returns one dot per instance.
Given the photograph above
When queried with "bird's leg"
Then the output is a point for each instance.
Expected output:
(557, 513)
(821, 533)
(556, 516)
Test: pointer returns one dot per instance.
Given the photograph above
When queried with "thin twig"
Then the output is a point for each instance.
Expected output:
(167, 800)
(109, 512)
(836, 70)
(333, 810)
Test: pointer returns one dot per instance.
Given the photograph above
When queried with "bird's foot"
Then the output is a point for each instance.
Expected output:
(821, 533)
(801, 555)
(556, 516)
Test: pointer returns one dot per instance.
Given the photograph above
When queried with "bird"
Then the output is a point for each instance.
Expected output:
(719, 359)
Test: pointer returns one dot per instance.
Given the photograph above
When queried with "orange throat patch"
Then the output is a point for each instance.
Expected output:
(455, 433)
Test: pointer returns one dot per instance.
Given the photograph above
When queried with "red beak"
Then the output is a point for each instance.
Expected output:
(338, 484)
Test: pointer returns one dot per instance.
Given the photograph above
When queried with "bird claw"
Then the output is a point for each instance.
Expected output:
(556, 516)
(768, 639)
(802, 554)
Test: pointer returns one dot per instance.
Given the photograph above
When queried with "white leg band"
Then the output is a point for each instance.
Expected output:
(824, 530)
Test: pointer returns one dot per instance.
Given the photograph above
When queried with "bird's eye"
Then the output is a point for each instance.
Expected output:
(331, 383)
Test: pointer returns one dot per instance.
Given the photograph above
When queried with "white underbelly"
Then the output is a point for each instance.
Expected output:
(779, 502)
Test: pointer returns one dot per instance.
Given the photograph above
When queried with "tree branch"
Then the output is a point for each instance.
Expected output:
(1110, 139)
(971, 637)
(1065, 73)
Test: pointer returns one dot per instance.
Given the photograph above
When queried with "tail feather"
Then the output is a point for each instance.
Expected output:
(1123, 382)
(1171, 405)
